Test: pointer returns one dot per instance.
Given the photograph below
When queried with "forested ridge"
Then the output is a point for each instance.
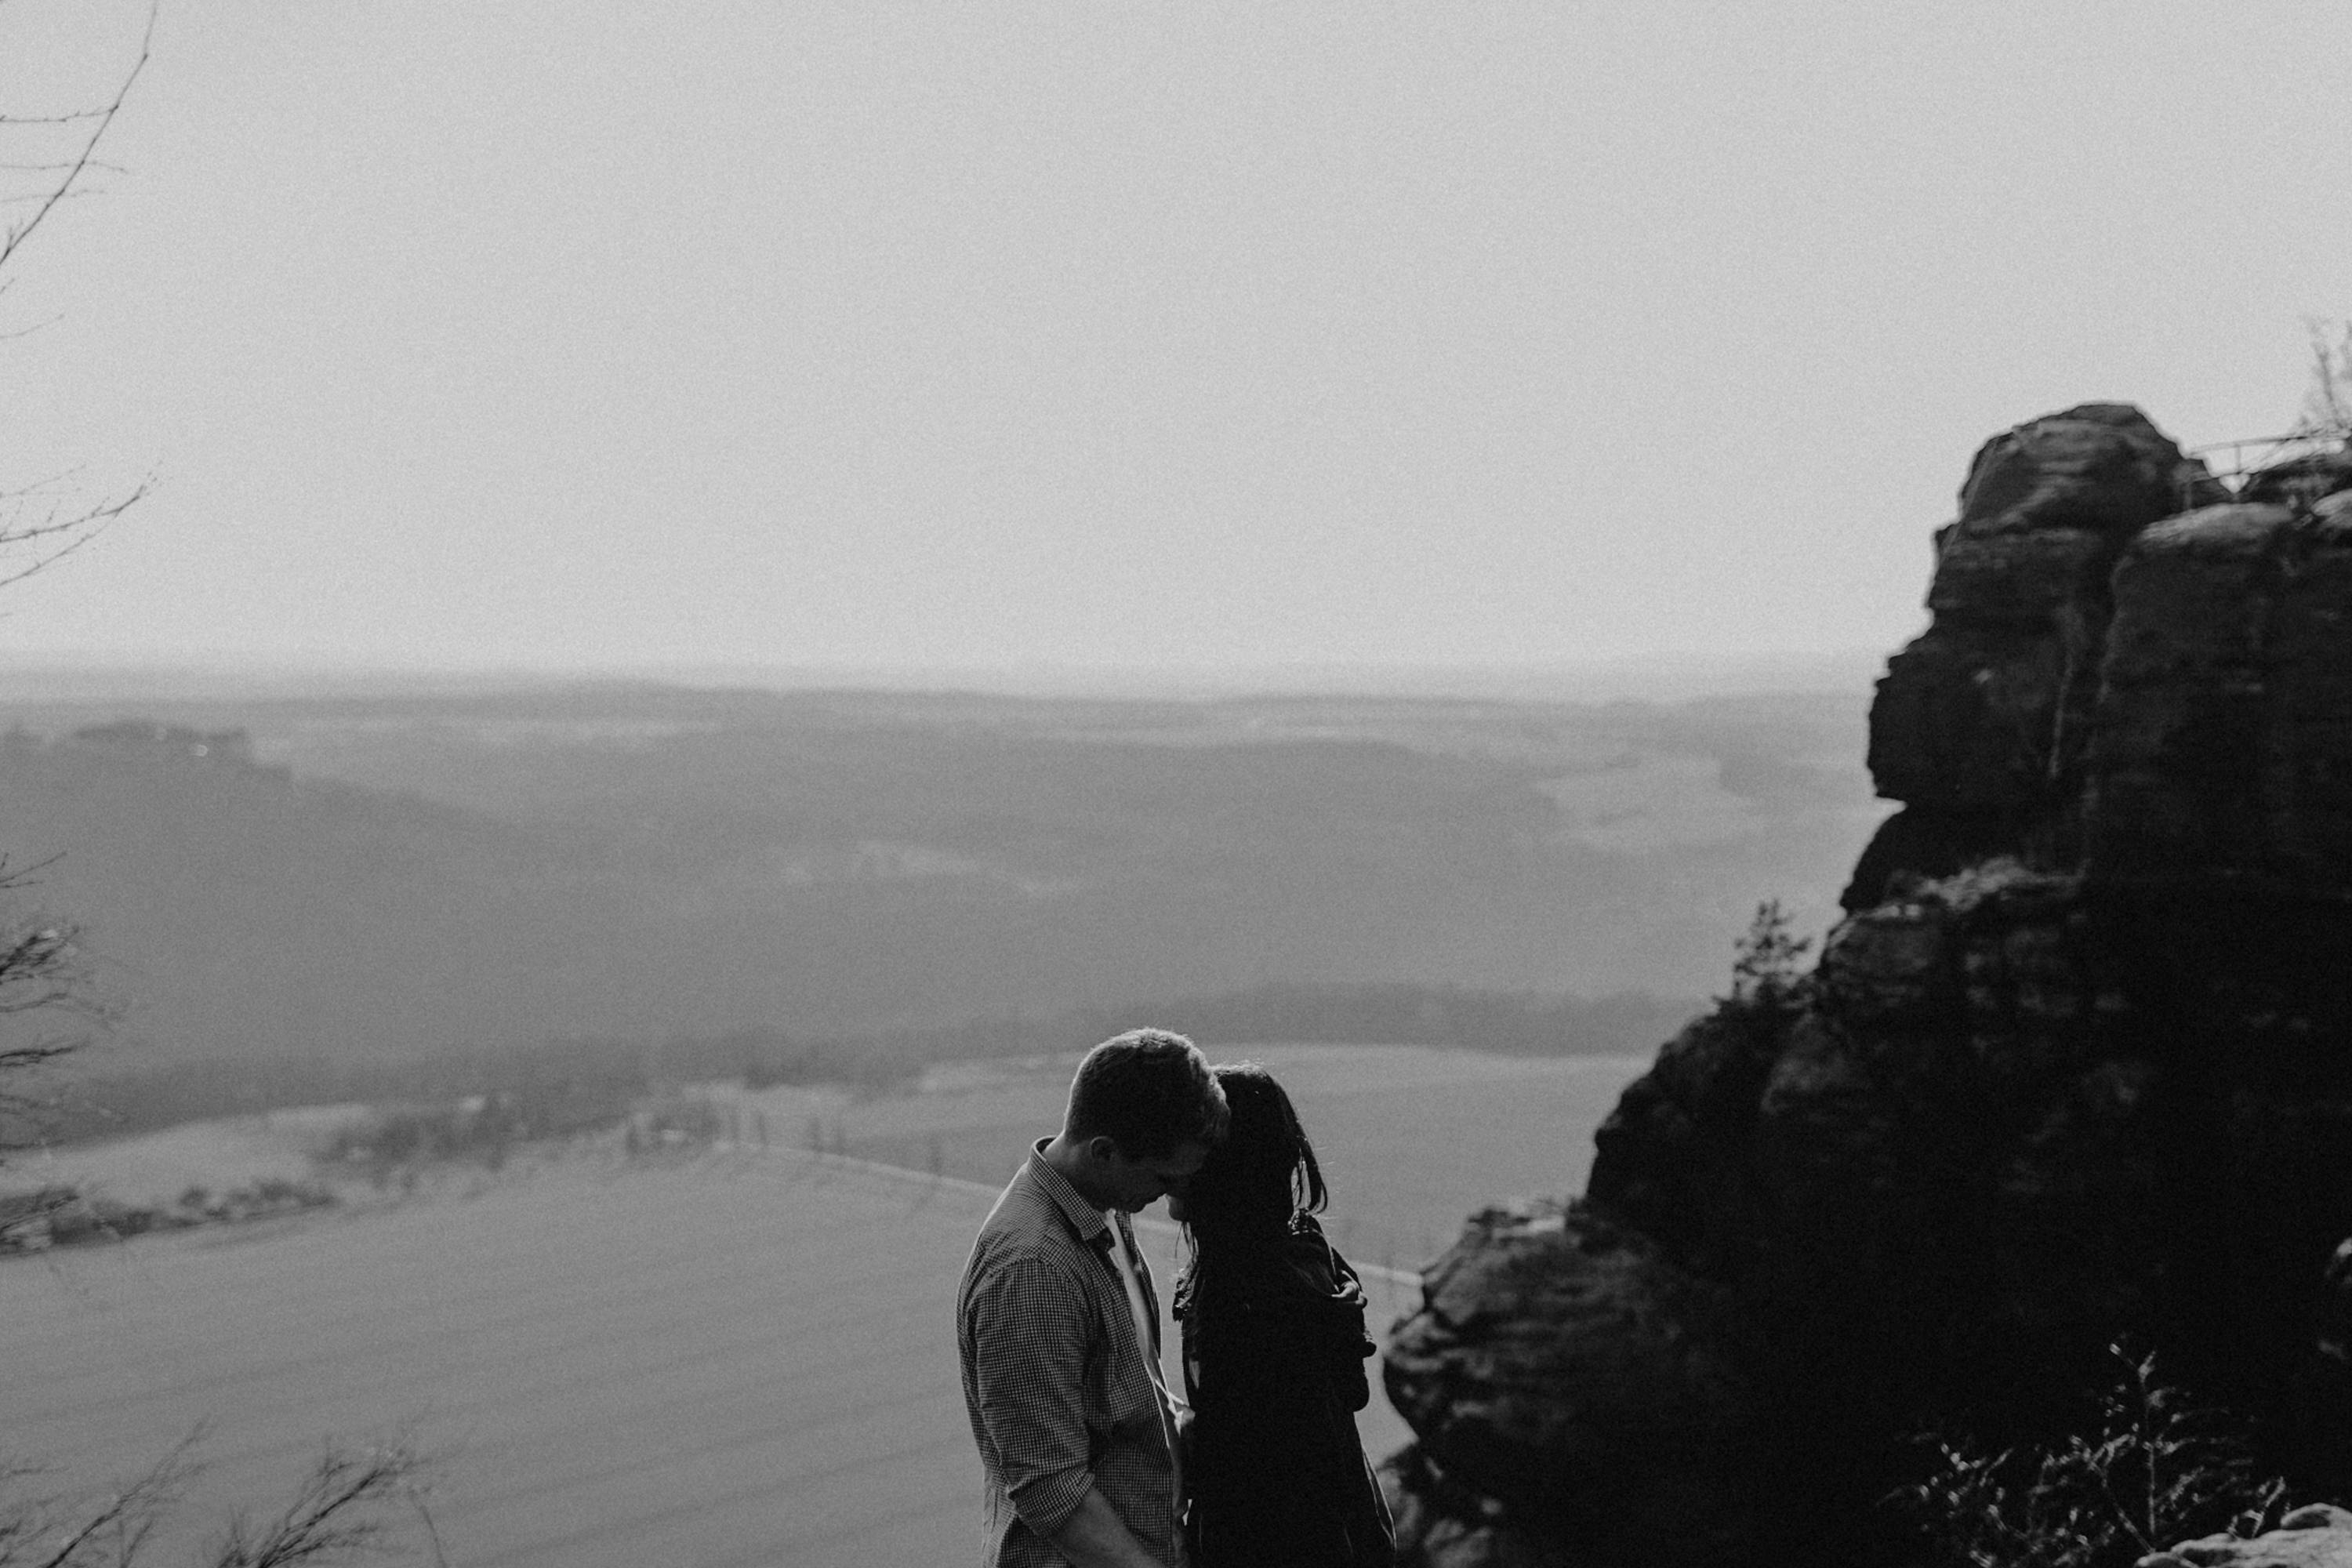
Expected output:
(355, 878)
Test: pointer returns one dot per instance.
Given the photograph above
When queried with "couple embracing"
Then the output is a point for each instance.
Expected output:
(1089, 1459)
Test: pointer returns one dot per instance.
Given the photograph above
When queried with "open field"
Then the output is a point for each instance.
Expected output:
(1410, 1139)
(742, 1358)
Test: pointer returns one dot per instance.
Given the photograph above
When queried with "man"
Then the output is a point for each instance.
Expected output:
(1059, 1326)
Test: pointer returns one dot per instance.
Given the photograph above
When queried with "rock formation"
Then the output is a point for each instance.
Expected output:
(2317, 1537)
(2077, 1065)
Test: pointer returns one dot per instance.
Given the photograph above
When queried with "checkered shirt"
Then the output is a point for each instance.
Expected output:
(1059, 1399)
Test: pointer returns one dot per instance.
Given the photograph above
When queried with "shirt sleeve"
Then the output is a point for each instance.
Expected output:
(1029, 1324)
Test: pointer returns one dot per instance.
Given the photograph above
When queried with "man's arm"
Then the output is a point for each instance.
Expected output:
(1094, 1537)
(1028, 1324)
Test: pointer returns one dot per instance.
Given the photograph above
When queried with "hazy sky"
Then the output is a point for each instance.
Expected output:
(466, 331)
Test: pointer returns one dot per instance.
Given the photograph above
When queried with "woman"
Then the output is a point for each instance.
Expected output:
(1274, 1341)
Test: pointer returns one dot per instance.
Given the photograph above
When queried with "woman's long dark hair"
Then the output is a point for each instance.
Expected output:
(1262, 1176)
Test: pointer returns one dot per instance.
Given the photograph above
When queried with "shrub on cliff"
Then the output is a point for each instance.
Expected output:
(1768, 976)
(2159, 1469)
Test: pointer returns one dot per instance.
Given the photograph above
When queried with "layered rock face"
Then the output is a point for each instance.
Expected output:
(2076, 1066)
(1981, 725)
(1606, 1397)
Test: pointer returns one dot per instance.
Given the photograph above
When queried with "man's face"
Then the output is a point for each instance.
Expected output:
(1135, 1184)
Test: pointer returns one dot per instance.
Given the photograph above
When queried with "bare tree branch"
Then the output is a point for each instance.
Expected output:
(71, 117)
(50, 198)
(102, 119)
(45, 982)
(337, 1512)
(57, 527)
(58, 1533)
(2327, 401)
(83, 524)
(342, 1508)
(15, 332)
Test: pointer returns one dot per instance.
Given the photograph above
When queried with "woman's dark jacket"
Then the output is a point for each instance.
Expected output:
(1273, 1368)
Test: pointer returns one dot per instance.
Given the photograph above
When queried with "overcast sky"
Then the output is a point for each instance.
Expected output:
(470, 332)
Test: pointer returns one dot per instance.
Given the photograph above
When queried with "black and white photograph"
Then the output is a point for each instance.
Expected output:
(861, 784)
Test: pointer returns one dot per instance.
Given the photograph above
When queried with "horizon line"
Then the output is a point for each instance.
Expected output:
(95, 677)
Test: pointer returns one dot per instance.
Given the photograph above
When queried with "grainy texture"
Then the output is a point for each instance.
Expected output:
(2076, 1067)
(1587, 1382)
(744, 1360)
(1981, 722)
(2317, 1537)
(2224, 748)
(723, 1364)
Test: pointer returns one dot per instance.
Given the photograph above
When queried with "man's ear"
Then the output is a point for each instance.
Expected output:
(1101, 1148)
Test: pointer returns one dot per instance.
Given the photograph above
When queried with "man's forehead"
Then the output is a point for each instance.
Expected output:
(1186, 1159)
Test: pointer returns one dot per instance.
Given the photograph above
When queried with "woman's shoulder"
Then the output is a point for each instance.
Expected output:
(1306, 1280)
(1310, 1256)
(1288, 1270)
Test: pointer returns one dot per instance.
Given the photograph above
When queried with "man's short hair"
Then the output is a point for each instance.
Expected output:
(1148, 1091)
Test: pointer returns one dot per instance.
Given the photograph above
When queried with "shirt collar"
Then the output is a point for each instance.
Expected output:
(1092, 1225)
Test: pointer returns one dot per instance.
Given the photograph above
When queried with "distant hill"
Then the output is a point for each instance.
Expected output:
(416, 873)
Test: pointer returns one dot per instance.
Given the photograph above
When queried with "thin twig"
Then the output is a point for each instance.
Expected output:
(104, 118)
(17, 333)
(86, 525)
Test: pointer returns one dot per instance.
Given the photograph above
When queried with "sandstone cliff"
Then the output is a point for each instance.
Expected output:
(2077, 1064)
